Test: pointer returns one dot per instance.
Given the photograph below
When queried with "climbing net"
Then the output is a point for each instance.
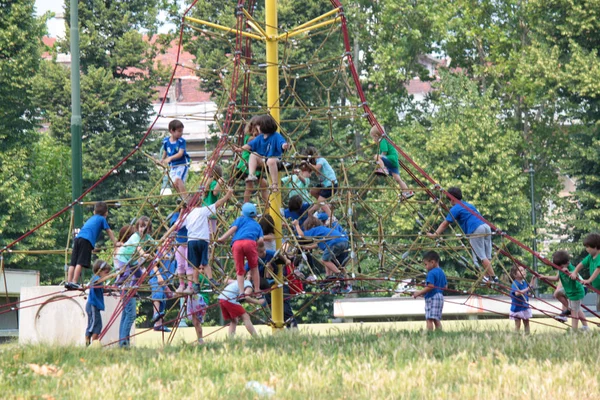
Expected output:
(321, 103)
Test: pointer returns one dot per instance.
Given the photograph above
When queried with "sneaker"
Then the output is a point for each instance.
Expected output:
(251, 178)
(162, 328)
(157, 316)
(560, 319)
(213, 282)
(188, 291)
(73, 286)
(495, 280)
(407, 195)
(347, 289)
(585, 329)
(565, 313)
(181, 288)
(485, 280)
(382, 172)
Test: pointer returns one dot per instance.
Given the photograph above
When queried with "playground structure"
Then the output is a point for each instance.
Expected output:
(387, 233)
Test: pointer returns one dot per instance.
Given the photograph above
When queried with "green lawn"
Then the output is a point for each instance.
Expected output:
(470, 360)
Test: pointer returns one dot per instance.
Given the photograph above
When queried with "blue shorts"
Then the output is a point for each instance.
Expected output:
(94, 325)
(327, 192)
(178, 172)
(392, 168)
(332, 252)
(198, 252)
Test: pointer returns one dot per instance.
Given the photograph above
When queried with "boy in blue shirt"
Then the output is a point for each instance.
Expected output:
(267, 149)
(176, 156)
(84, 243)
(95, 302)
(481, 240)
(297, 209)
(435, 283)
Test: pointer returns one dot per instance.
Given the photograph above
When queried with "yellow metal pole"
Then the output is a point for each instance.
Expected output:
(272, 43)
(222, 28)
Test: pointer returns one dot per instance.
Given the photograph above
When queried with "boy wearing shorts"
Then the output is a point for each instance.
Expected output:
(175, 156)
(435, 283)
(232, 310)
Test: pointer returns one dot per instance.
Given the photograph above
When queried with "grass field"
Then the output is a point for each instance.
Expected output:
(470, 360)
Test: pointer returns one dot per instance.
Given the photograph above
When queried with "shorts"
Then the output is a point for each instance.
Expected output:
(231, 310)
(331, 252)
(575, 305)
(198, 252)
(244, 249)
(178, 172)
(94, 325)
(434, 306)
(525, 314)
(327, 192)
(196, 307)
(82, 253)
(481, 245)
(392, 167)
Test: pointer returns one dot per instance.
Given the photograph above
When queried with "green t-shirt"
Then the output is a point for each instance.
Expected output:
(592, 264)
(573, 289)
(243, 164)
(211, 198)
(125, 252)
(390, 152)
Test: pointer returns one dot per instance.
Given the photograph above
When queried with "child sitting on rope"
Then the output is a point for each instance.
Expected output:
(84, 244)
(241, 169)
(95, 302)
(435, 283)
(299, 182)
(267, 149)
(520, 310)
(479, 233)
(232, 310)
(574, 290)
(246, 233)
(327, 179)
(387, 159)
(176, 156)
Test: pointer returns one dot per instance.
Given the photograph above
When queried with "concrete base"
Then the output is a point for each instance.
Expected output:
(52, 315)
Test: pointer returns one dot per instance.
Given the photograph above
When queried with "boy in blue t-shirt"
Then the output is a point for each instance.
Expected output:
(481, 240)
(435, 283)
(95, 302)
(267, 149)
(297, 209)
(84, 243)
(175, 155)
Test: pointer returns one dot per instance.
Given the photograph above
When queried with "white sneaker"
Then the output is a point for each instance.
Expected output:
(560, 318)
(188, 290)
(181, 288)
(584, 329)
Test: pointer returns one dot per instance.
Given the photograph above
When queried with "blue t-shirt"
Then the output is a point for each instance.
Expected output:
(467, 221)
(262, 262)
(327, 174)
(297, 215)
(90, 231)
(271, 146)
(182, 233)
(247, 229)
(519, 303)
(173, 148)
(96, 296)
(437, 278)
(232, 291)
(323, 232)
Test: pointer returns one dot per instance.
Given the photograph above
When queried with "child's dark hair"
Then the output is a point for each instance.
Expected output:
(217, 171)
(311, 154)
(100, 208)
(311, 222)
(456, 192)
(143, 220)
(592, 240)
(125, 233)
(514, 271)
(251, 125)
(175, 125)
(295, 203)
(561, 257)
(266, 124)
(267, 224)
(431, 256)
(100, 265)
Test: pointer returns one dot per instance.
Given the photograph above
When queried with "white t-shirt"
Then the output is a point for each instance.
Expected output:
(196, 222)
(232, 292)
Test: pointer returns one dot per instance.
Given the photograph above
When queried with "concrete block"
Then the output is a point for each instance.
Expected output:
(52, 315)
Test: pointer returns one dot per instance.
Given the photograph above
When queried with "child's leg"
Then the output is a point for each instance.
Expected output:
(197, 326)
(397, 178)
(232, 325)
(430, 324)
(438, 324)
(156, 304)
(322, 201)
(331, 268)
(76, 274)
(240, 281)
(248, 191)
(574, 318)
(487, 265)
(526, 326)
(248, 324)
(273, 171)
(254, 162)
(517, 324)
(264, 193)
(70, 273)
(379, 161)
(559, 295)
(179, 185)
(255, 279)
(582, 318)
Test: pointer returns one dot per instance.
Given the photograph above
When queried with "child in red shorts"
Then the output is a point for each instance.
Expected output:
(231, 308)
(246, 233)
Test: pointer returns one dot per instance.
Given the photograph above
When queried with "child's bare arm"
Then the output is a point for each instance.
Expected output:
(550, 278)
(296, 224)
(575, 272)
(229, 232)
(423, 291)
(219, 203)
(445, 224)
(112, 237)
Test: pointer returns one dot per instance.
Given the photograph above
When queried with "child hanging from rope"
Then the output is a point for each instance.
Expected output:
(573, 289)
(84, 244)
(95, 302)
(241, 170)
(387, 159)
(433, 292)
(198, 232)
(267, 149)
(176, 156)
(232, 310)
(246, 233)
(520, 310)
(479, 233)
(327, 180)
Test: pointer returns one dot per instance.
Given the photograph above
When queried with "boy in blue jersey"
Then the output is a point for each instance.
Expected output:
(267, 149)
(480, 232)
(95, 302)
(84, 243)
(297, 209)
(175, 155)
(435, 283)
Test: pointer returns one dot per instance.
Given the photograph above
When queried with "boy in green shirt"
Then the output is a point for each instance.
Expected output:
(387, 159)
(573, 289)
(592, 261)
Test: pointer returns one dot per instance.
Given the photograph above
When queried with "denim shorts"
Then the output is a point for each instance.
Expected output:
(392, 168)
(331, 252)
